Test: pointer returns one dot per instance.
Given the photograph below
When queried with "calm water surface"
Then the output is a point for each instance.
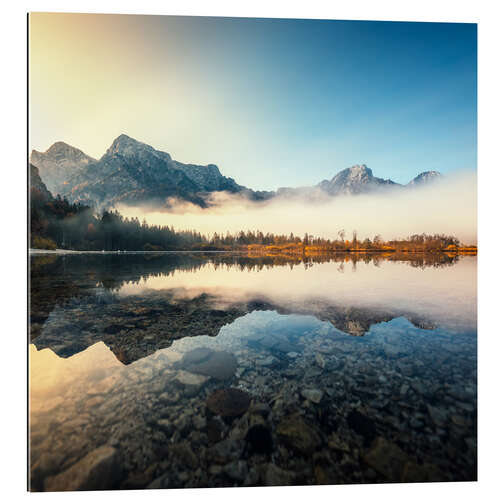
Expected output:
(346, 370)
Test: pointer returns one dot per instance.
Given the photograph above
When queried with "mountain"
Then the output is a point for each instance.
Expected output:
(425, 178)
(355, 180)
(58, 164)
(38, 190)
(131, 172)
(358, 179)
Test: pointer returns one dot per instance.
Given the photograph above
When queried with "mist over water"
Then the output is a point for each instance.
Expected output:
(447, 206)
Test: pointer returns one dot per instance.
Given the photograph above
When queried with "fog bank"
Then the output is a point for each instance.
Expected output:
(447, 206)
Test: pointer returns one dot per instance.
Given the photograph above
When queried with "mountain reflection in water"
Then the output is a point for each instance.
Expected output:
(362, 357)
(137, 303)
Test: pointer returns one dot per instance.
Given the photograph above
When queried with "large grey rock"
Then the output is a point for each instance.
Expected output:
(99, 470)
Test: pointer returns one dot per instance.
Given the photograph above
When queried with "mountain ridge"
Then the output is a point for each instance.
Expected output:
(132, 172)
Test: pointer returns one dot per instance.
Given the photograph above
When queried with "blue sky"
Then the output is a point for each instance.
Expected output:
(272, 102)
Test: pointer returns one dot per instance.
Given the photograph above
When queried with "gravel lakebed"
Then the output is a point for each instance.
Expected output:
(271, 400)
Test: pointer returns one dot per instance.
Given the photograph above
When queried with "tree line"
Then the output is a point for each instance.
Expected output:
(57, 223)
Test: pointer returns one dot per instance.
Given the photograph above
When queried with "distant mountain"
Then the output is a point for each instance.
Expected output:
(355, 180)
(358, 179)
(425, 178)
(133, 173)
(58, 164)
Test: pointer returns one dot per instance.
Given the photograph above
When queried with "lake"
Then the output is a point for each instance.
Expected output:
(181, 370)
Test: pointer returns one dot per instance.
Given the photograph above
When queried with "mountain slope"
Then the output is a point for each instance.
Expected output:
(58, 164)
(38, 190)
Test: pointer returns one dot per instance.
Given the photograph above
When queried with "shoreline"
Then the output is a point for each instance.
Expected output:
(37, 251)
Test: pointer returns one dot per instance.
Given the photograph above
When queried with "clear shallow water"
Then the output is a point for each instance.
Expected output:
(356, 371)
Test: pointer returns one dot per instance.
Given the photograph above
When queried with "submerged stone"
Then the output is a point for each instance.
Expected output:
(387, 459)
(183, 454)
(414, 473)
(226, 451)
(215, 429)
(336, 443)
(237, 470)
(320, 361)
(191, 379)
(296, 434)
(313, 395)
(267, 361)
(220, 365)
(275, 476)
(228, 402)
(99, 470)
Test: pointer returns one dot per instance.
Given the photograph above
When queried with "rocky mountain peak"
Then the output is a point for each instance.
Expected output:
(60, 146)
(60, 151)
(127, 146)
(359, 171)
(353, 180)
(58, 163)
(425, 178)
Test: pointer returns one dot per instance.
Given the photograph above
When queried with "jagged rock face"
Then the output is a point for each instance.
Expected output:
(132, 172)
(38, 189)
(204, 178)
(58, 164)
(355, 180)
(425, 178)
